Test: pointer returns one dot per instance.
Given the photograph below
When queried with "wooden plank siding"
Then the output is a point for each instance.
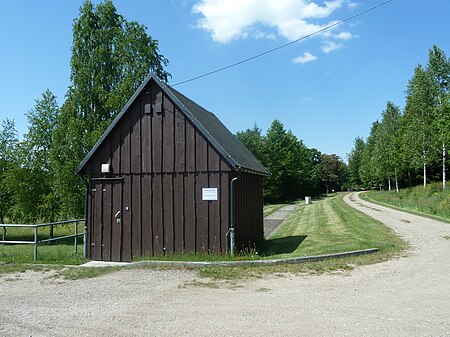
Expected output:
(249, 211)
(164, 161)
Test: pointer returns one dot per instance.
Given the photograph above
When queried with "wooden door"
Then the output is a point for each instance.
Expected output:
(106, 242)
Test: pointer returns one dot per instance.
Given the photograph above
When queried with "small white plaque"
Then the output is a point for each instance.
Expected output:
(106, 168)
(209, 193)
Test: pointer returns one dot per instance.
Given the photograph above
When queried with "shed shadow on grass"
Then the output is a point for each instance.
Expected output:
(284, 245)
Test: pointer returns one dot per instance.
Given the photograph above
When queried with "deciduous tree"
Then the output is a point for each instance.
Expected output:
(8, 144)
(333, 172)
(386, 149)
(354, 162)
(31, 179)
(438, 69)
(419, 133)
(110, 58)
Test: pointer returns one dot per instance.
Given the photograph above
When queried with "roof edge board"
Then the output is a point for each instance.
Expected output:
(200, 126)
(237, 166)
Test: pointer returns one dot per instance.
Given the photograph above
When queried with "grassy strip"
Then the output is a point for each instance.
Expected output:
(325, 227)
(431, 201)
(329, 226)
(315, 268)
(76, 273)
(9, 268)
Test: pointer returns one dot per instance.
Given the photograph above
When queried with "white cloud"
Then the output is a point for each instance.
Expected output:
(261, 35)
(344, 36)
(352, 5)
(227, 20)
(329, 46)
(306, 57)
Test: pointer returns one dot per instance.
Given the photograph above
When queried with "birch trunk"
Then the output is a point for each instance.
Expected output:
(444, 180)
(396, 181)
(424, 175)
(389, 183)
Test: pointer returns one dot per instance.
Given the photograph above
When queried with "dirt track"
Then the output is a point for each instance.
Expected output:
(409, 296)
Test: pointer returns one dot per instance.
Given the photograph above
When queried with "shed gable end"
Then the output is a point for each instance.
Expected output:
(146, 140)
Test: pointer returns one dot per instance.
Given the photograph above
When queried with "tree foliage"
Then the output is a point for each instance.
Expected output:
(387, 144)
(254, 141)
(295, 169)
(8, 144)
(411, 145)
(333, 172)
(355, 161)
(368, 171)
(111, 56)
(30, 179)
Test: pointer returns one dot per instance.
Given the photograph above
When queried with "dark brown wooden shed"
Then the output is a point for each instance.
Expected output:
(161, 179)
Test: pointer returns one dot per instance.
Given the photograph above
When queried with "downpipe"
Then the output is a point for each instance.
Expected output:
(233, 214)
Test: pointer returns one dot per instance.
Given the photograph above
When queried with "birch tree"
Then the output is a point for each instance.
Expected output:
(438, 69)
(419, 134)
(355, 161)
(369, 170)
(387, 144)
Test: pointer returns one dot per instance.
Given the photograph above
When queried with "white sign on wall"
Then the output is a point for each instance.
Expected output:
(209, 193)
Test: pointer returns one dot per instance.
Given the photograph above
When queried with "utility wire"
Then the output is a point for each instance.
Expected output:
(284, 45)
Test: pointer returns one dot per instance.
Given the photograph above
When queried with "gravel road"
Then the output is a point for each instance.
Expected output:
(408, 296)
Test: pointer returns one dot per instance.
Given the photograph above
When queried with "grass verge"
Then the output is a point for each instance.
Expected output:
(431, 201)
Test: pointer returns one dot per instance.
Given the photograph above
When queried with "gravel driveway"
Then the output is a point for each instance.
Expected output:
(409, 296)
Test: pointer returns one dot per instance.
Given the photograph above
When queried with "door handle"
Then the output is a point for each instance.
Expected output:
(117, 216)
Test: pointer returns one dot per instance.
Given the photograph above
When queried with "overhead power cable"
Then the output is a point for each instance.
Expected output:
(284, 45)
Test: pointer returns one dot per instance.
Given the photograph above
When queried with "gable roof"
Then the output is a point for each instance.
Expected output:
(231, 149)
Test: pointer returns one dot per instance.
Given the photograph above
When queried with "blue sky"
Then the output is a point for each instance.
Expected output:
(327, 89)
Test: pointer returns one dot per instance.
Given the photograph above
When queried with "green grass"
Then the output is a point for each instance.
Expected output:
(249, 254)
(329, 226)
(324, 227)
(430, 201)
(57, 252)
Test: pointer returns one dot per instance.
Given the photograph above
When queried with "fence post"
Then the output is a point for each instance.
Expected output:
(35, 242)
(76, 235)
